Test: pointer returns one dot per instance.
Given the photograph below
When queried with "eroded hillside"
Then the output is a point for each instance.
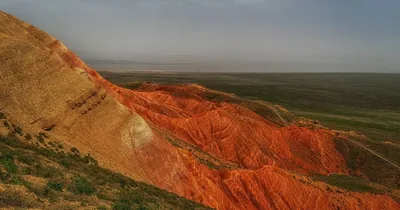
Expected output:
(226, 154)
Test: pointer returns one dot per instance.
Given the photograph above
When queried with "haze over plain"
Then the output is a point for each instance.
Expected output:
(226, 35)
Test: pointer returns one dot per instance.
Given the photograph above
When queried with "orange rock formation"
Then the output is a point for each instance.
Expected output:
(221, 154)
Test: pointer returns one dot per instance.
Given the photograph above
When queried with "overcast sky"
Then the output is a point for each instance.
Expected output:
(336, 35)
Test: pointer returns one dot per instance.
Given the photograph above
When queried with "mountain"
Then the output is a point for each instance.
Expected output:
(207, 146)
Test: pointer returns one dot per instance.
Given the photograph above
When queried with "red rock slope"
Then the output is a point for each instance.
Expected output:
(221, 154)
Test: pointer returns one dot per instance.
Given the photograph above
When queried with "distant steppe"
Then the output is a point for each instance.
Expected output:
(369, 103)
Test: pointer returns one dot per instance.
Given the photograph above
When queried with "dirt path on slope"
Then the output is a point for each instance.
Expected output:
(273, 109)
(374, 153)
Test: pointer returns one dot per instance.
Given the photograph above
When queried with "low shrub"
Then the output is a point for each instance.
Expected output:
(10, 198)
(23, 158)
(350, 183)
(90, 160)
(81, 185)
(26, 171)
(28, 137)
(5, 123)
(102, 208)
(66, 163)
(55, 185)
(44, 135)
(18, 130)
(41, 191)
(75, 151)
(46, 172)
(40, 138)
(121, 206)
(8, 161)
(128, 199)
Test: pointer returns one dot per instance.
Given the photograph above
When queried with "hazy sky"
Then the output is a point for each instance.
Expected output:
(326, 35)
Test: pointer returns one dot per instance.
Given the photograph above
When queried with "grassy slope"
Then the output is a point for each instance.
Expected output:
(34, 175)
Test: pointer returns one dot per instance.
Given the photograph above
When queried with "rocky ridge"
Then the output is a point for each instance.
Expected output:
(242, 160)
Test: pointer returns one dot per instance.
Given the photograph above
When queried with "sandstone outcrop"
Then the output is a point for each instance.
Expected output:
(221, 154)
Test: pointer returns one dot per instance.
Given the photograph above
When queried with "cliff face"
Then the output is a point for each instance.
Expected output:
(221, 154)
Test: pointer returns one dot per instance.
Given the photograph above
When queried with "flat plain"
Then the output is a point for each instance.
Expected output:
(369, 103)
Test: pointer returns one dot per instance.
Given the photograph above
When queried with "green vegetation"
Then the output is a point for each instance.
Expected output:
(358, 159)
(350, 183)
(41, 137)
(55, 185)
(5, 123)
(81, 185)
(8, 162)
(28, 137)
(71, 178)
(75, 151)
(128, 198)
(18, 130)
(16, 199)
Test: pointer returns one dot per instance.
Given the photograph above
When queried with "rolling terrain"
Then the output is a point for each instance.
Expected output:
(364, 103)
(211, 147)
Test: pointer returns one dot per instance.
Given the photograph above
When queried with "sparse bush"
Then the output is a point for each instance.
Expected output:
(5, 123)
(26, 159)
(142, 207)
(90, 160)
(130, 196)
(4, 176)
(53, 200)
(105, 196)
(16, 179)
(40, 138)
(102, 208)
(8, 161)
(9, 178)
(11, 147)
(2, 116)
(55, 185)
(40, 191)
(26, 171)
(28, 137)
(9, 198)
(350, 183)
(75, 151)
(66, 163)
(127, 199)
(10, 139)
(44, 135)
(81, 185)
(121, 206)
(18, 130)
(47, 171)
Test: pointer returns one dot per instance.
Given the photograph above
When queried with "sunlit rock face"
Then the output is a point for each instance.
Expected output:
(221, 154)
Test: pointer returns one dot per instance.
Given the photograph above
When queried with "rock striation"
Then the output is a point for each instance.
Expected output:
(219, 153)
